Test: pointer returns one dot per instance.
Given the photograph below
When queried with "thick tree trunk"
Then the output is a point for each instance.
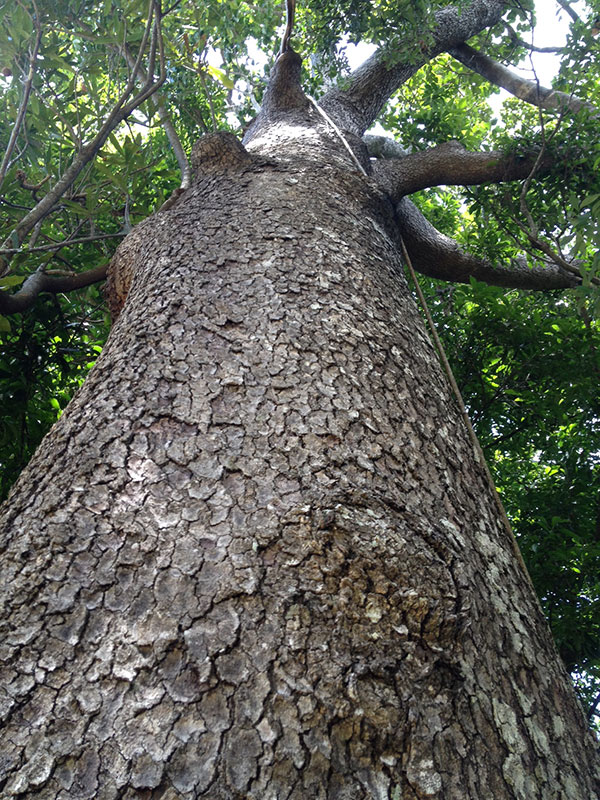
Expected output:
(257, 558)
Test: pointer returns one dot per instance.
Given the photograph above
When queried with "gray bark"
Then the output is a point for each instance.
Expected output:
(448, 164)
(257, 557)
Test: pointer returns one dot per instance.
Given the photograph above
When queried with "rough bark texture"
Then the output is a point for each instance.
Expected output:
(256, 558)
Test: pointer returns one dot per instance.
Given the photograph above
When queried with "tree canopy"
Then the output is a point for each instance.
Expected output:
(101, 101)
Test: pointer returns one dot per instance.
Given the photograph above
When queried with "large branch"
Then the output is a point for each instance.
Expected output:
(356, 107)
(434, 254)
(447, 164)
(526, 90)
(42, 282)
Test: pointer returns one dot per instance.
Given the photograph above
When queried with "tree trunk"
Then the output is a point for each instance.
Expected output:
(257, 557)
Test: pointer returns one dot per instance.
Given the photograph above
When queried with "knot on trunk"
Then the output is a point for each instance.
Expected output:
(217, 153)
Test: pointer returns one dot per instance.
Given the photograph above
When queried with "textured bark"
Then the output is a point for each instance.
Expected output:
(256, 557)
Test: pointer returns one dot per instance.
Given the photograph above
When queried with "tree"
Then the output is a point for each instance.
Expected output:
(259, 555)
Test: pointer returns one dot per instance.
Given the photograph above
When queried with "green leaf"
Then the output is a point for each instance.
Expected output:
(221, 76)
(11, 280)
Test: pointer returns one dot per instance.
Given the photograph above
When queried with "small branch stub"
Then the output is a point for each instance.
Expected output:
(284, 91)
(219, 152)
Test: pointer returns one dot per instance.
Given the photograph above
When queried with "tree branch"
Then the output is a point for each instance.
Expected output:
(24, 100)
(356, 107)
(44, 248)
(594, 707)
(552, 255)
(526, 90)
(438, 256)
(383, 147)
(447, 164)
(515, 39)
(290, 10)
(283, 93)
(120, 111)
(158, 104)
(42, 282)
(284, 89)
(563, 4)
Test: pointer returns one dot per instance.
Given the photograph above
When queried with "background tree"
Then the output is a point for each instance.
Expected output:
(76, 178)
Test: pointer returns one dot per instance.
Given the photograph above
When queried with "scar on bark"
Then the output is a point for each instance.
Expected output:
(120, 272)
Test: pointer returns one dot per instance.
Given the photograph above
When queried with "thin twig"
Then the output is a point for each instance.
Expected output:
(120, 111)
(532, 231)
(66, 243)
(58, 114)
(25, 99)
(536, 164)
(593, 708)
(522, 43)
(208, 94)
(545, 248)
(168, 126)
(540, 245)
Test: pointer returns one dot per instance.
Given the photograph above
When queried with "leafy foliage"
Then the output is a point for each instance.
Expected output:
(43, 360)
(528, 364)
